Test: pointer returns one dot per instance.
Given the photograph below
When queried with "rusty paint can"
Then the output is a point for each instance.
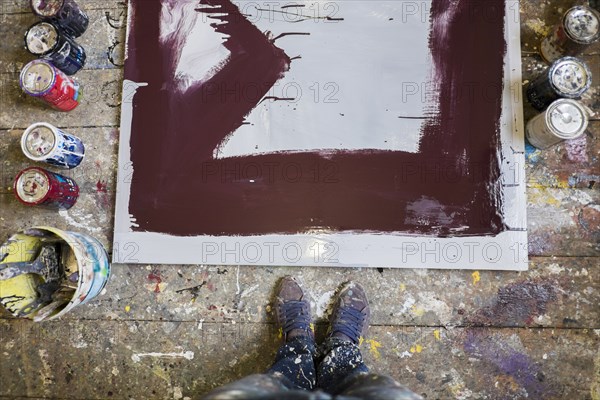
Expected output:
(568, 77)
(579, 28)
(65, 13)
(39, 187)
(43, 80)
(45, 142)
(563, 120)
(48, 41)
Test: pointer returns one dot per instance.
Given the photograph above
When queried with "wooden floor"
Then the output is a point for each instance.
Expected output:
(173, 332)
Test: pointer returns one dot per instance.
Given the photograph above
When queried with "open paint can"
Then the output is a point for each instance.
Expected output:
(49, 293)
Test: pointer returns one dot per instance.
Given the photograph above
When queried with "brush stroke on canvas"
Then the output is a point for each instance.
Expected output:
(448, 187)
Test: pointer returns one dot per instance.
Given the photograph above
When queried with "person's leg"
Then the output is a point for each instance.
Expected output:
(294, 363)
(339, 356)
(294, 367)
(341, 370)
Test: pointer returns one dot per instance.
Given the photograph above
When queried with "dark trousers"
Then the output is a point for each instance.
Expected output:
(301, 371)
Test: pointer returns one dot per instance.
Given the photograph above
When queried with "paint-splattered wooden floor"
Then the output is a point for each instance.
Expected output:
(173, 332)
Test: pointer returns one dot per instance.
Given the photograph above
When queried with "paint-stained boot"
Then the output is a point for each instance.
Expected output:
(292, 310)
(350, 317)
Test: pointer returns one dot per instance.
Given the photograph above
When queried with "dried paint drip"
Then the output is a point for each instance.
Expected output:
(369, 190)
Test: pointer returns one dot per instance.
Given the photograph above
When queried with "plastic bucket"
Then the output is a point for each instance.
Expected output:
(90, 258)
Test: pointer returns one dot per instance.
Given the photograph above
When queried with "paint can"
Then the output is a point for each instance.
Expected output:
(84, 266)
(46, 40)
(579, 28)
(564, 119)
(41, 79)
(45, 142)
(39, 187)
(65, 13)
(568, 77)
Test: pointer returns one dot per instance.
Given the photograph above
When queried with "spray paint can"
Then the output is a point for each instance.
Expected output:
(45, 142)
(39, 187)
(579, 28)
(65, 13)
(568, 77)
(46, 40)
(41, 79)
(564, 119)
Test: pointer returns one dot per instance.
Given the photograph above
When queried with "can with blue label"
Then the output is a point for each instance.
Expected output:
(45, 142)
(65, 13)
(47, 40)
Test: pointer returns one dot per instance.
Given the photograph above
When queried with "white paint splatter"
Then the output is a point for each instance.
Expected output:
(408, 303)
(555, 269)
(322, 302)
(71, 221)
(188, 355)
(177, 393)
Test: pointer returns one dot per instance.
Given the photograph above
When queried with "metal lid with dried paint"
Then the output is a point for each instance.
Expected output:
(39, 141)
(46, 8)
(37, 77)
(41, 38)
(582, 24)
(571, 77)
(32, 185)
(567, 118)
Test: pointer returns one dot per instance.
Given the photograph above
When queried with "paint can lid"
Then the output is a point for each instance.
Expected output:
(570, 76)
(567, 118)
(39, 141)
(41, 38)
(46, 8)
(32, 185)
(37, 77)
(582, 24)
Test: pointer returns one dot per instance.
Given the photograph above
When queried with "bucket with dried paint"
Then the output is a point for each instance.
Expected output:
(85, 269)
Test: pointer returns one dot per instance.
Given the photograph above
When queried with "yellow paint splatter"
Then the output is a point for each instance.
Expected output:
(538, 26)
(476, 277)
(312, 327)
(360, 341)
(436, 334)
(416, 348)
(127, 308)
(419, 312)
(402, 287)
(374, 346)
(280, 333)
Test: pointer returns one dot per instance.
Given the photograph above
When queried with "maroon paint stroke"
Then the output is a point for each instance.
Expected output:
(450, 188)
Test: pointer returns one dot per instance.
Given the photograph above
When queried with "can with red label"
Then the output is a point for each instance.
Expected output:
(579, 28)
(48, 41)
(39, 187)
(45, 142)
(41, 79)
(65, 13)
